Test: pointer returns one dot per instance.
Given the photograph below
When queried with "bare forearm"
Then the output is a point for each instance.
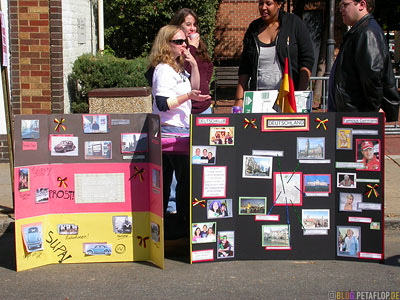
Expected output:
(240, 88)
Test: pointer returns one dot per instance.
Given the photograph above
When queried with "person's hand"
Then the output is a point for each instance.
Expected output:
(194, 39)
(189, 57)
(195, 95)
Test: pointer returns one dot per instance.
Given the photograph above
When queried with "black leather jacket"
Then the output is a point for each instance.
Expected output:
(363, 73)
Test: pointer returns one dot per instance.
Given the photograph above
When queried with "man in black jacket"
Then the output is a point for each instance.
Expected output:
(362, 76)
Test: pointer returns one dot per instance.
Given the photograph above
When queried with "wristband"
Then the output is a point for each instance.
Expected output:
(172, 102)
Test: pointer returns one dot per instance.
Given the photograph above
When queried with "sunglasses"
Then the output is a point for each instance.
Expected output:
(178, 42)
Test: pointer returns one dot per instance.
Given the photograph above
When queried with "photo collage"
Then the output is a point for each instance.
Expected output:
(282, 169)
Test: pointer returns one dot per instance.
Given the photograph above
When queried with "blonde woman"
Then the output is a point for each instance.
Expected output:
(173, 88)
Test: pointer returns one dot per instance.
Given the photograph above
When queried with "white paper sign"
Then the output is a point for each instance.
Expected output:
(203, 255)
(214, 182)
(369, 206)
(99, 188)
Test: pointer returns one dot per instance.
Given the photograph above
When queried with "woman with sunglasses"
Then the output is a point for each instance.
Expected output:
(172, 89)
(189, 22)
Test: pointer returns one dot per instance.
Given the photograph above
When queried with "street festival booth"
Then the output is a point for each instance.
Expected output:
(287, 186)
(88, 188)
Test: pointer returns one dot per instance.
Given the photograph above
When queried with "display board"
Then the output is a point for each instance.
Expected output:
(287, 186)
(88, 188)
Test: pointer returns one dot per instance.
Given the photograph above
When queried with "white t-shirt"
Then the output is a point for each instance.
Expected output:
(168, 83)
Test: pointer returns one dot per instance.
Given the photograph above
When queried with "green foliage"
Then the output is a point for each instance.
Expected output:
(103, 71)
(131, 25)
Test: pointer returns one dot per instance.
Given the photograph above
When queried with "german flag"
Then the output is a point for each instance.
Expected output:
(286, 103)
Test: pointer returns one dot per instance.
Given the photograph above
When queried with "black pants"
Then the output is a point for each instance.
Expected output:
(178, 225)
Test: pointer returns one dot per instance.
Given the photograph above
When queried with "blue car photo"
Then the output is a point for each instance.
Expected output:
(33, 238)
(98, 250)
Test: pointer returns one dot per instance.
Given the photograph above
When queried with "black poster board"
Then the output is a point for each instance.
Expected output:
(285, 181)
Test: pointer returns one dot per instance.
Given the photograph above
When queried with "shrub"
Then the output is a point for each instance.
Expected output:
(103, 71)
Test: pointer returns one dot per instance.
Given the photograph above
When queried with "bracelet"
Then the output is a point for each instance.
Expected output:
(239, 98)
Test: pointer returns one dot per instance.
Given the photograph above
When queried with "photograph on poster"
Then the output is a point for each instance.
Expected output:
(315, 218)
(204, 232)
(259, 167)
(222, 136)
(32, 237)
(156, 178)
(349, 202)
(42, 195)
(275, 235)
(221, 208)
(348, 241)
(155, 232)
(226, 244)
(252, 205)
(64, 145)
(97, 249)
(155, 127)
(369, 153)
(67, 229)
(347, 180)
(287, 188)
(95, 123)
(375, 226)
(98, 150)
(204, 155)
(23, 179)
(134, 142)
(310, 148)
(317, 183)
(122, 224)
(30, 129)
(344, 139)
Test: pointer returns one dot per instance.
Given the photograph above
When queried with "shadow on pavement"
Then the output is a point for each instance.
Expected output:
(7, 249)
(393, 261)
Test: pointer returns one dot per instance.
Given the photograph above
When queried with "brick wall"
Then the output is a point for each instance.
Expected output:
(233, 18)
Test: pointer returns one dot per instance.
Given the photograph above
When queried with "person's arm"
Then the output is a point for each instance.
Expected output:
(194, 75)
(305, 56)
(240, 88)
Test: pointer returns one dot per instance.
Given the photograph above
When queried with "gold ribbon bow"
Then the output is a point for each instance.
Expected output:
(59, 124)
(321, 122)
(252, 123)
(142, 239)
(62, 182)
(201, 202)
(372, 189)
(138, 172)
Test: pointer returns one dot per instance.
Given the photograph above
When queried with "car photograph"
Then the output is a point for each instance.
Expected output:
(99, 250)
(64, 146)
(33, 238)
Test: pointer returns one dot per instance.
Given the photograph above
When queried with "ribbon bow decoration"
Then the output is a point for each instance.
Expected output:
(138, 173)
(372, 189)
(59, 124)
(252, 123)
(321, 122)
(142, 239)
(62, 181)
(201, 202)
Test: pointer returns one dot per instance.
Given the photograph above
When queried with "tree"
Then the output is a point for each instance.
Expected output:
(131, 25)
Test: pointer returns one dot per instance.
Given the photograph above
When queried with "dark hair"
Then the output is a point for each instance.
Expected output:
(370, 5)
(179, 18)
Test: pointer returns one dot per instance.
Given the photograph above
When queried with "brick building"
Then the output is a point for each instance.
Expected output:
(45, 38)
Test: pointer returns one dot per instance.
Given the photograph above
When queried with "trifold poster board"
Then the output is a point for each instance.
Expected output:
(287, 186)
(88, 188)
(263, 101)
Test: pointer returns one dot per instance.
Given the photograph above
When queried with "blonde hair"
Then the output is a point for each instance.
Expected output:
(161, 50)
